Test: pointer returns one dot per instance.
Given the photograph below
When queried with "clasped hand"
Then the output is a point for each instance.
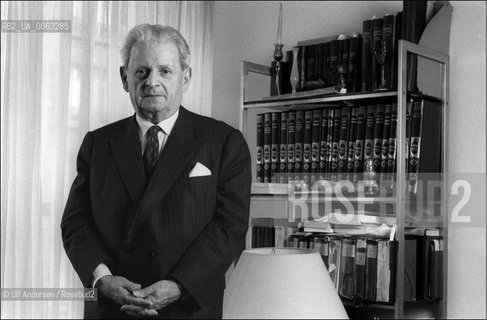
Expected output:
(138, 302)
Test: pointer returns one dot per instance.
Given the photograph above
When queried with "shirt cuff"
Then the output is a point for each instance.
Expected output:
(100, 271)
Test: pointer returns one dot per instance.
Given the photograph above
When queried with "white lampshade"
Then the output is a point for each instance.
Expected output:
(281, 283)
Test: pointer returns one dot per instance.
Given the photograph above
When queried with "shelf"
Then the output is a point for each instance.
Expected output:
(314, 97)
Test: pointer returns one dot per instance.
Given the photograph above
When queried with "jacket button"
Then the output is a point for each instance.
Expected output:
(154, 253)
(125, 249)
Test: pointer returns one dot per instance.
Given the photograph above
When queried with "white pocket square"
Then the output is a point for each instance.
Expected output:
(199, 170)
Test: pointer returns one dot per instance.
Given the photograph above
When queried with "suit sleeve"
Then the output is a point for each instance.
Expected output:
(80, 238)
(222, 239)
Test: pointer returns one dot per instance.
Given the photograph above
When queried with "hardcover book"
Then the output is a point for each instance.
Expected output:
(359, 279)
(359, 145)
(347, 268)
(385, 271)
(329, 143)
(385, 145)
(345, 59)
(392, 154)
(376, 44)
(337, 116)
(307, 141)
(276, 121)
(415, 144)
(260, 148)
(298, 145)
(323, 142)
(351, 144)
(343, 144)
(354, 66)
(291, 134)
(371, 270)
(369, 134)
(267, 147)
(315, 145)
(388, 37)
(283, 149)
(378, 131)
(366, 56)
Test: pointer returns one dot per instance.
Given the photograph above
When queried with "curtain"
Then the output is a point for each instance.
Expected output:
(54, 88)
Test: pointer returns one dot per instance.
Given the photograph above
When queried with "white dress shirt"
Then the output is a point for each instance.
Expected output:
(144, 125)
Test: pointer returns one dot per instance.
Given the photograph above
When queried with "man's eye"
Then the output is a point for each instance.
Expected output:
(166, 71)
(140, 72)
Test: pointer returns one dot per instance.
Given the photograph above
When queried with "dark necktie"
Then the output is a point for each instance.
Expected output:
(151, 151)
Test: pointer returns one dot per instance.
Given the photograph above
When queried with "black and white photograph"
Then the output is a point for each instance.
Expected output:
(243, 159)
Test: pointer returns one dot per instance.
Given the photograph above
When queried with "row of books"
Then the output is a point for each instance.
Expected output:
(342, 143)
(354, 60)
(364, 268)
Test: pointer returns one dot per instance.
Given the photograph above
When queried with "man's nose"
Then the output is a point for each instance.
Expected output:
(153, 79)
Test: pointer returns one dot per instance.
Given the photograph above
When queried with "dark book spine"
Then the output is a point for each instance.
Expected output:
(275, 132)
(343, 144)
(354, 58)
(291, 134)
(385, 144)
(366, 56)
(392, 153)
(371, 270)
(335, 50)
(320, 65)
(360, 260)
(307, 141)
(337, 117)
(351, 144)
(302, 68)
(260, 149)
(311, 76)
(329, 143)
(415, 144)
(283, 149)
(328, 77)
(347, 268)
(369, 135)
(267, 147)
(375, 77)
(388, 38)
(395, 45)
(298, 145)
(359, 145)
(315, 145)
(378, 131)
(323, 145)
(345, 58)
(414, 21)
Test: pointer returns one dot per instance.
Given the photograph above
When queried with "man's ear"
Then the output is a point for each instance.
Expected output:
(186, 78)
(123, 76)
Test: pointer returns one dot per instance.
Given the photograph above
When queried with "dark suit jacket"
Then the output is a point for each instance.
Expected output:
(190, 229)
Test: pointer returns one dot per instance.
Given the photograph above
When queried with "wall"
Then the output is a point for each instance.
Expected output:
(466, 283)
(247, 31)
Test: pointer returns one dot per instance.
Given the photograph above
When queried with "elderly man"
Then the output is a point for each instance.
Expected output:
(159, 207)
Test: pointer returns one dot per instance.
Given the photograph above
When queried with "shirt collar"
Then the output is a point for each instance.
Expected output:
(166, 125)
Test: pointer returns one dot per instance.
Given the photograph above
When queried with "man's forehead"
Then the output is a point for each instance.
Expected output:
(163, 51)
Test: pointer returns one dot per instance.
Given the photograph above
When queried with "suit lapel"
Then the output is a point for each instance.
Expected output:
(176, 156)
(127, 153)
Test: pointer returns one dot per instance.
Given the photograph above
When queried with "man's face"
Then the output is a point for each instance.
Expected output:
(154, 80)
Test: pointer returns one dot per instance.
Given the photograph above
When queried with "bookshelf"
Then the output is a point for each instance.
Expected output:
(275, 200)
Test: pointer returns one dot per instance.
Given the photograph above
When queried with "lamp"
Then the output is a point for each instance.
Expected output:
(281, 283)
